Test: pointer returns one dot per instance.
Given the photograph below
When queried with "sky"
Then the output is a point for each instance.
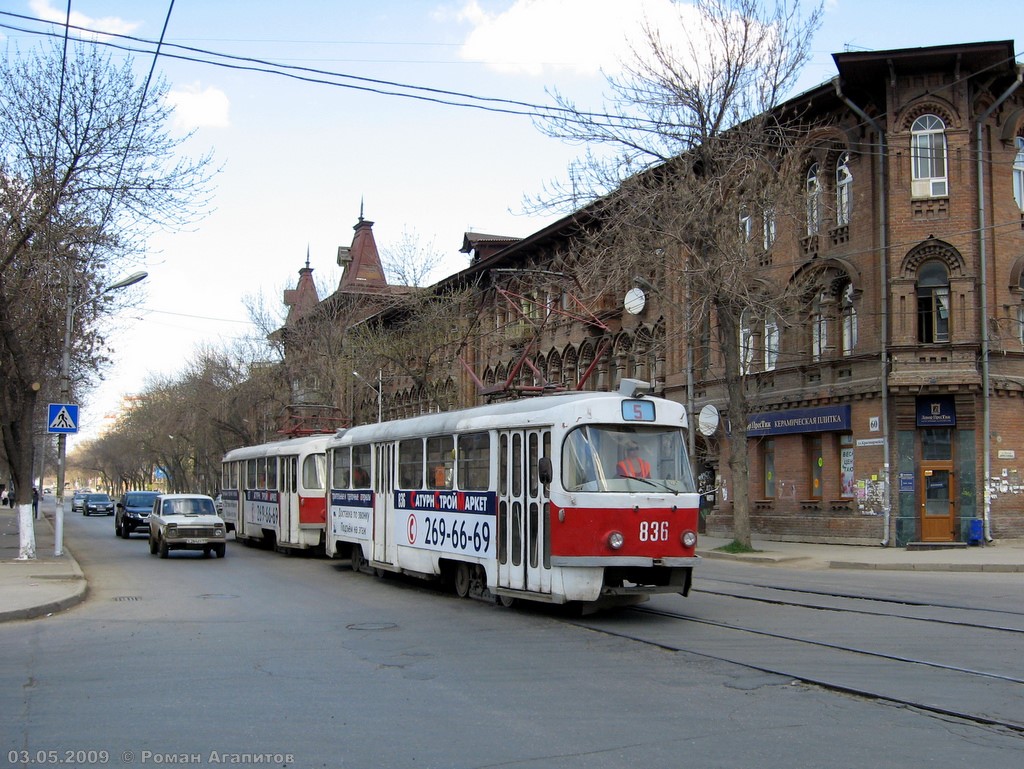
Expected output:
(301, 160)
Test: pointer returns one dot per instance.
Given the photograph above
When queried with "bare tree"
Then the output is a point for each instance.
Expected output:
(87, 171)
(698, 152)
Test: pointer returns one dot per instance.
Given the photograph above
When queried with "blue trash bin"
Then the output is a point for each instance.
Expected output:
(976, 531)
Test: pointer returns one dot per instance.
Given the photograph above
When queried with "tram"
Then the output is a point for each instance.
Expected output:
(274, 494)
(581, 496)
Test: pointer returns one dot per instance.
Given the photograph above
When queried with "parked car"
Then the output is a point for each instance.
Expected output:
(78, 502)
(98, 504)
(186, 522)
(133, 509)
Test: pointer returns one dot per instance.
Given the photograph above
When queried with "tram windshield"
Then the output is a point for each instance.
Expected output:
(618, 458)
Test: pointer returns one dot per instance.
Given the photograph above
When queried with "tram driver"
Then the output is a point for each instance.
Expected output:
(633, 465)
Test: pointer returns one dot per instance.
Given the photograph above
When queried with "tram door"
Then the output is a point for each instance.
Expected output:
(938, 507)
(523, 562)
(286, 497)
(384, 486)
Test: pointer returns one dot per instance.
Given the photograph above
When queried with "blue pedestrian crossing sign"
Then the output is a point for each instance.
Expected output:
(62, 418)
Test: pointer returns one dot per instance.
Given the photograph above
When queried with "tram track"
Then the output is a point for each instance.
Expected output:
(852, 596)
(869, 612)
(970, 694)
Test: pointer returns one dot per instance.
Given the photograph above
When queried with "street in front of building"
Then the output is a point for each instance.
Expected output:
(298, 661)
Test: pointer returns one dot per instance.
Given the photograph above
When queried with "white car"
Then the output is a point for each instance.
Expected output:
(186, 522)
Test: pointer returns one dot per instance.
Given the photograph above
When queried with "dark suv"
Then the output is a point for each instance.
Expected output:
(133, 511)
(98, 504)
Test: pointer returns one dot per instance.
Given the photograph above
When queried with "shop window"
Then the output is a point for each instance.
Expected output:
(928, 158)
(768, 463)
(847, 477)
(937, 444)
(844, 190)
(817, 465)
(932, 303)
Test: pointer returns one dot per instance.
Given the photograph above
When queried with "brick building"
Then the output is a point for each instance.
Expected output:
(892, 409)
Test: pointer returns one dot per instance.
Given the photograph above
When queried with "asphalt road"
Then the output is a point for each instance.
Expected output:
(289, 661)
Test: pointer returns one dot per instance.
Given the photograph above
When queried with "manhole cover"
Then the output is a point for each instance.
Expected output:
(372, 626)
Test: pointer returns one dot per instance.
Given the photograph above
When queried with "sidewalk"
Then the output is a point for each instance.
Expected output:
(999, 556)
(49, 584)
(41, 587)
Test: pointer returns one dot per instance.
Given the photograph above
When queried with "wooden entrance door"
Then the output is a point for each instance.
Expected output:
(938, 502)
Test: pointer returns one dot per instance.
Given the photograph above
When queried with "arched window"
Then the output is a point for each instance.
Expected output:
(932, 303)
(1018, 174)
(928, 157)
(844, 190)
(812, 198)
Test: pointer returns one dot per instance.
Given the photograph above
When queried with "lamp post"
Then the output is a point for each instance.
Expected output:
(379, 389)
(65, 393)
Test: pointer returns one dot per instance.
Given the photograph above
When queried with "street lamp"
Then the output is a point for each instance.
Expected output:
(379, 389)
(65, 392)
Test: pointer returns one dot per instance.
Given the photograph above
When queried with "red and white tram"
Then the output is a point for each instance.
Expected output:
(275, 493)
(570, 497)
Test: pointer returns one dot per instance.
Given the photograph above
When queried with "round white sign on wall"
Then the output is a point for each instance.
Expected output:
(635, 301)
(707, 420)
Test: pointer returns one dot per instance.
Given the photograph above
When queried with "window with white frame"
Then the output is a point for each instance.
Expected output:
(928, 158)
(746, 225)
(849, 316)
(771, 343)
(1018, 174)
(844, 190)
(812, 199)
(819, 327)
(746, 342)
(768, 227)
(933, 303)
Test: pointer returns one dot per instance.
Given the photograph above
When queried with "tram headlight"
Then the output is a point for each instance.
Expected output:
(615, 540)
(689, 538)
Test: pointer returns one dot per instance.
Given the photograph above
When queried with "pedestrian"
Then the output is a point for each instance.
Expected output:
(35, 502)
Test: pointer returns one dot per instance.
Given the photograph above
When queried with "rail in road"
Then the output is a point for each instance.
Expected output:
(954, 661)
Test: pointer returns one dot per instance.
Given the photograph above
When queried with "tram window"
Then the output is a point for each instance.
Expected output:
(475, 461)
(250, 474)
(503, 466)
(531, 464)
(517, 466)
(261, 473)
(410, 464)
(440, 453)
(361, 467)
(314, 471)
(271, 473)
(342, 469)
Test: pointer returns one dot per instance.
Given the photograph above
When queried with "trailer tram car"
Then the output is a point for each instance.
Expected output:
(583, 496)
(275, 494)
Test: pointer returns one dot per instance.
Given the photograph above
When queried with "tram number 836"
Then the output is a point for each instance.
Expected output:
(654, 531)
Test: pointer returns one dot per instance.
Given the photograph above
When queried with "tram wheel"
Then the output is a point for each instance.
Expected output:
(463, 579)
(507, 601)
(357, 558)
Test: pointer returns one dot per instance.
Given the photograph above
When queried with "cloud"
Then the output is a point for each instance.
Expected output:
(584, 37)
(112, 24)
(197, 107)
